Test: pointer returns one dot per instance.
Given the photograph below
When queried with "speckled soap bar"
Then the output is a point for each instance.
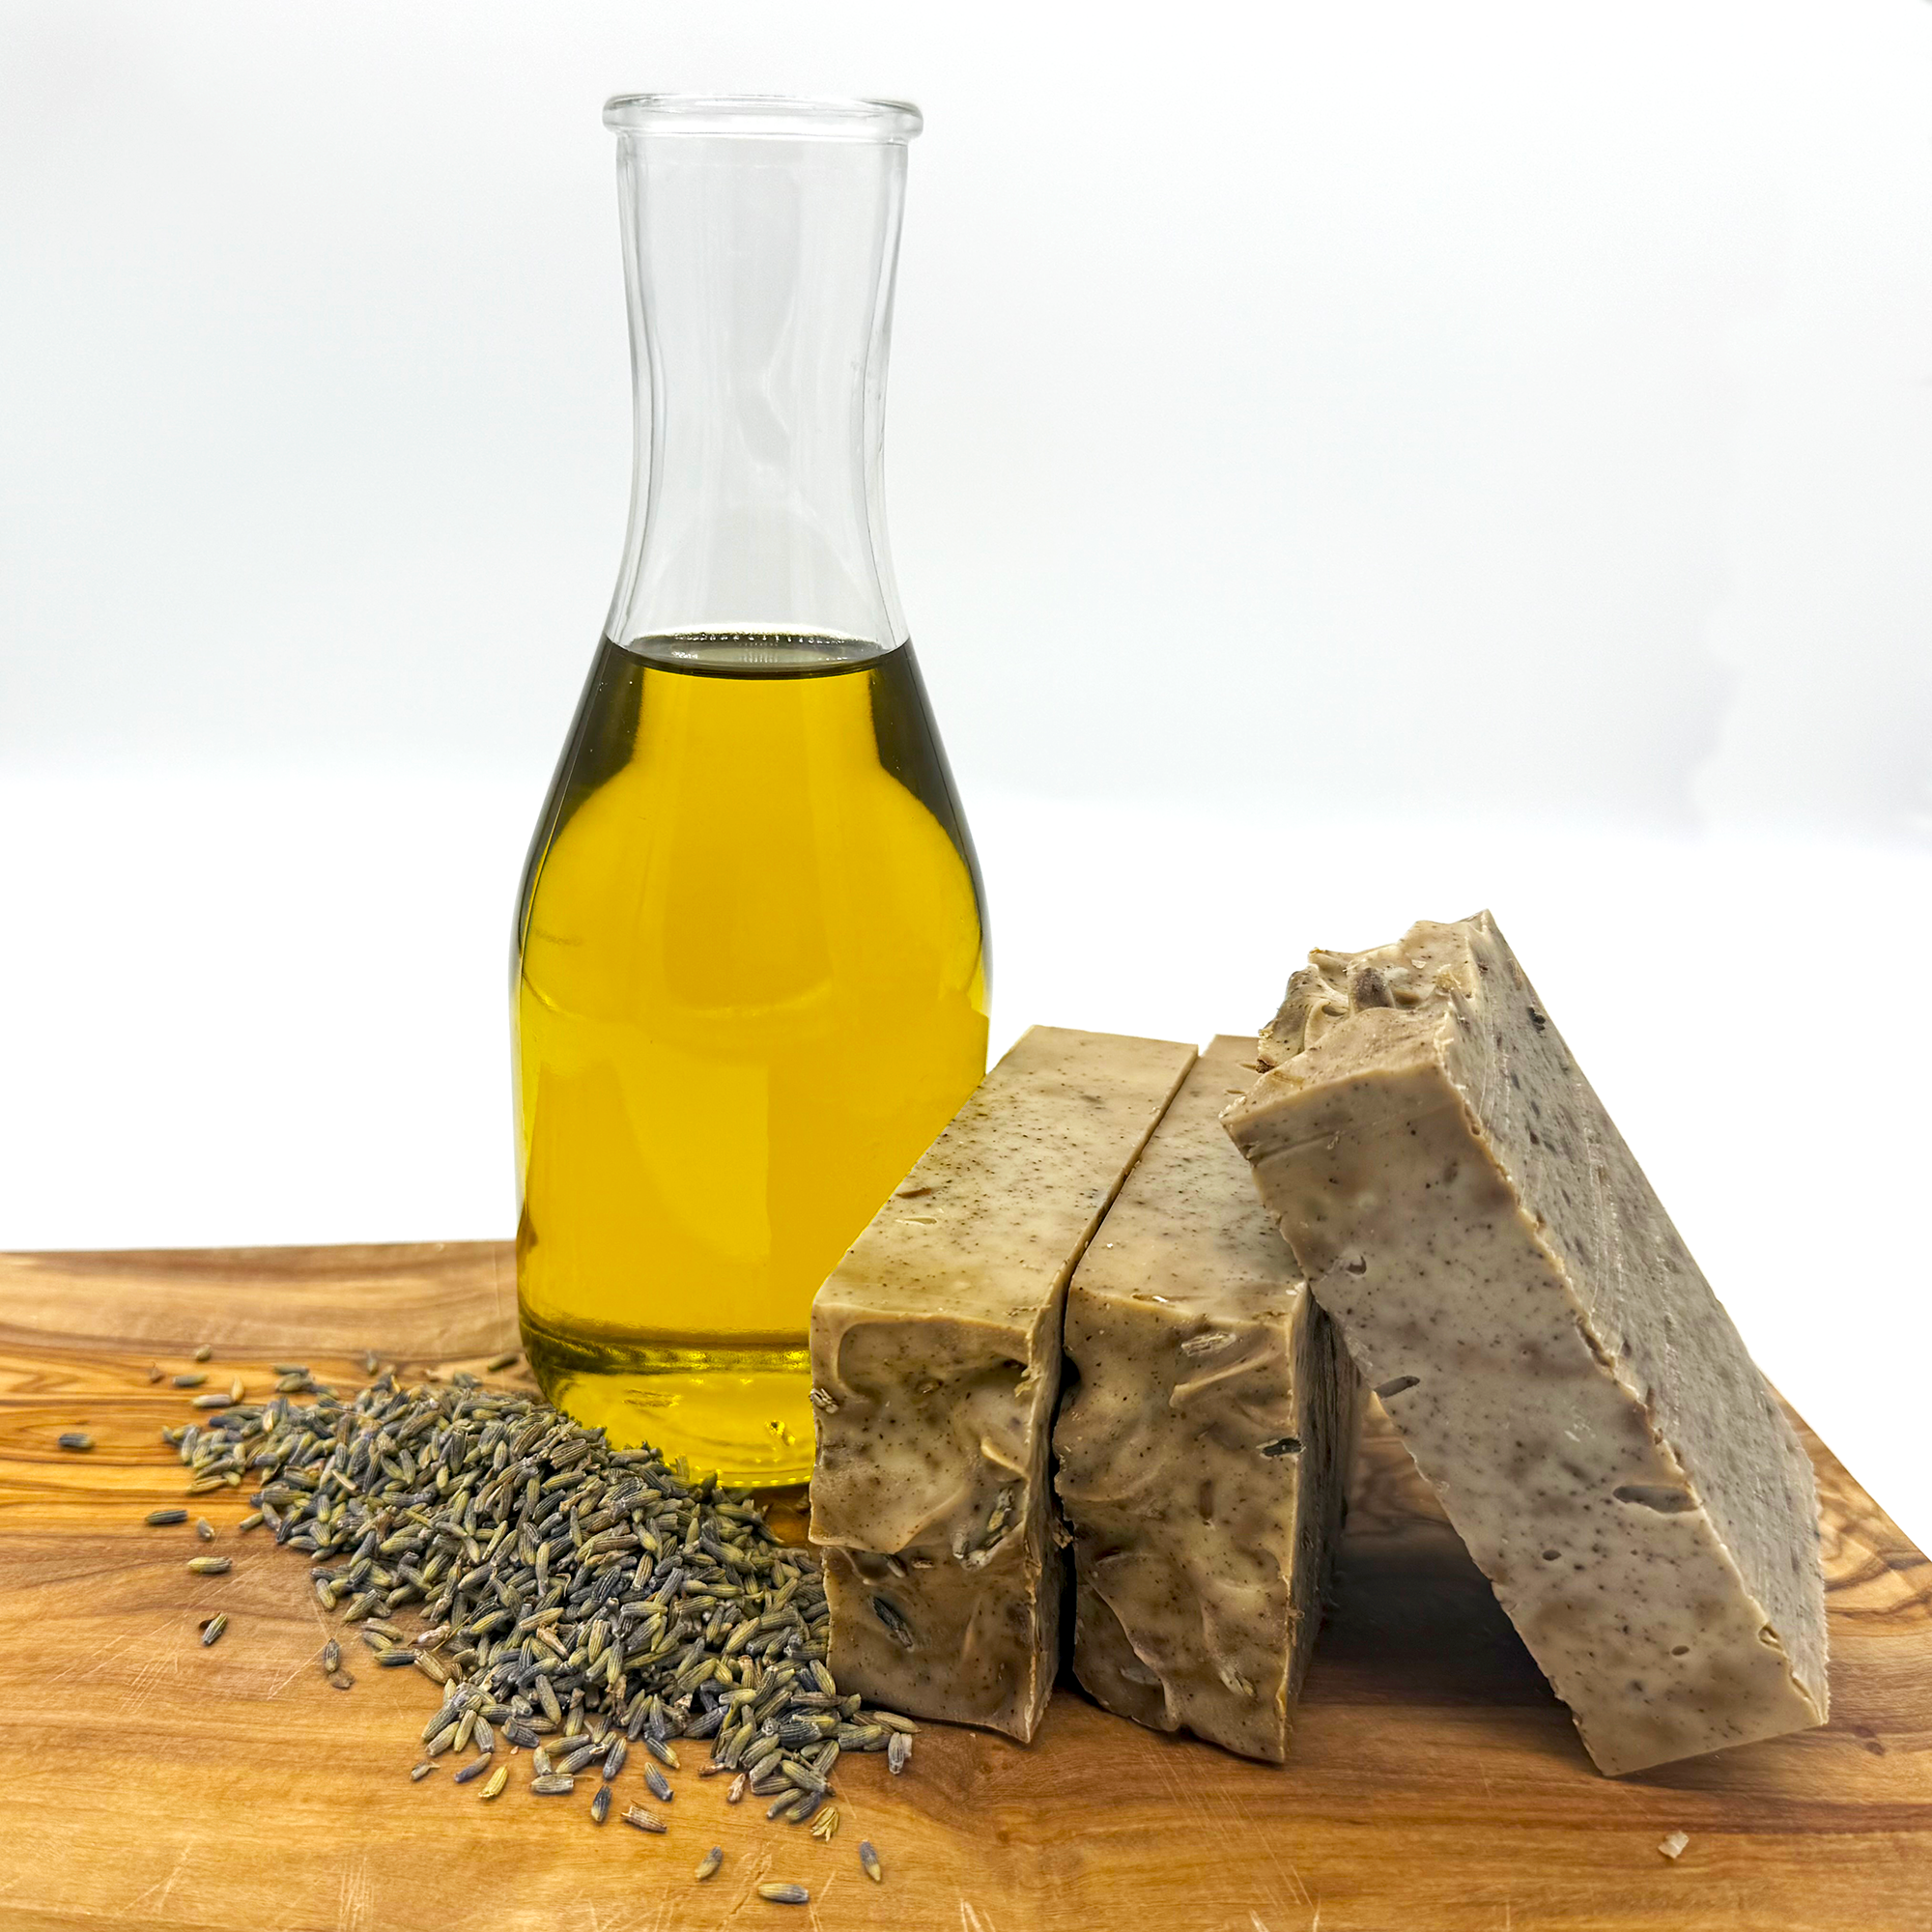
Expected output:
(1204, 1441)
(935, 1359)
(1510, 1285)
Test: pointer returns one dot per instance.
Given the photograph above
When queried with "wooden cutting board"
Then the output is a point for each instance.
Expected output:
(148, 1782)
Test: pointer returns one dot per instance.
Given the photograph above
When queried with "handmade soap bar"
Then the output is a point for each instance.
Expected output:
(1510, 1285)
(1203, 1439)
(935, 1363)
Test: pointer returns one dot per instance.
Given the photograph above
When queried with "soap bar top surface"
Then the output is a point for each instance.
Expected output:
(1204, 1439)
(999, 1207)
(1508, 1281)
(1187, 1231)
(935, 1354)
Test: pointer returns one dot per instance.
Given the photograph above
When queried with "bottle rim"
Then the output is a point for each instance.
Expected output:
(786, 116)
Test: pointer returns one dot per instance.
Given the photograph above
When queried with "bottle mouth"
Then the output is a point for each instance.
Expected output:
(780, 116)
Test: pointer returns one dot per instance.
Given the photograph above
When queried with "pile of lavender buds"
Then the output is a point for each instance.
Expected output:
(574, 1598)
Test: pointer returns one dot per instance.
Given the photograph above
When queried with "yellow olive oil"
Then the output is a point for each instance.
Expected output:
(750, 988)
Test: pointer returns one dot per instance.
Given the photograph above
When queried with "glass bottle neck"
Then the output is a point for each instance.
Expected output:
(760, 274)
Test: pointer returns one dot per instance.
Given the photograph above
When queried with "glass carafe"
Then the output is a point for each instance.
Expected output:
(750, 969)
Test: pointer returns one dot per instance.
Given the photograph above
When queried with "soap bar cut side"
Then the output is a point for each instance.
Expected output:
(935, 1360)
(1204, 1441)
(1509, 1283)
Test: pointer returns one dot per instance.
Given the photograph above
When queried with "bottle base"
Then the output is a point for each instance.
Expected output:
(741, 1411)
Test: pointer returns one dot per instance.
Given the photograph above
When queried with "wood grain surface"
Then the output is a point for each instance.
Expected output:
(1435, 1785)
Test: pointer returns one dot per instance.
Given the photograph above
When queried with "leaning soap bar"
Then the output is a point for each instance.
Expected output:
(935, 1363)
(1510, 1285)
(1203, 1439)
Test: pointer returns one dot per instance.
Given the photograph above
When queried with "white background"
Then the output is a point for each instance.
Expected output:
(1347, 464)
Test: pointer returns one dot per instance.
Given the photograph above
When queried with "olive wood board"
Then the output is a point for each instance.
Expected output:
(1435, 1783)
